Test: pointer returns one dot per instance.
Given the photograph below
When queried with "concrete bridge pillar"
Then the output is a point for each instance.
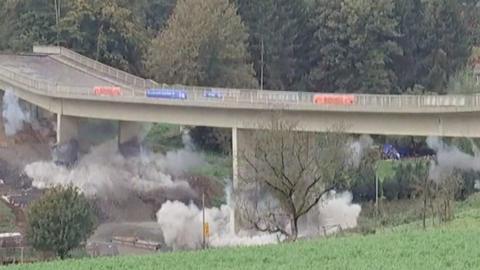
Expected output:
(129, 138)
(241, 142)
(67, 128)
(66, 150)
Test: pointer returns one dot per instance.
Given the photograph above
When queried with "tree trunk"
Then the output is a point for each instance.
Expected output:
(425, 204)
(294, 229)
(62, 254)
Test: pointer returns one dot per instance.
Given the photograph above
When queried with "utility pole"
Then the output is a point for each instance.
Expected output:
(204, 240)
(261, 66)
(376, 201)
(57, 19)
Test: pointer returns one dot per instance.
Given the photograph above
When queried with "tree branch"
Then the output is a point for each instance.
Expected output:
(317, 199)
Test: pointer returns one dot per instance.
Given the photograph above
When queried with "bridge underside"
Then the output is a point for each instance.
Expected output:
(51, 68)
(459, 124)
(451, 124)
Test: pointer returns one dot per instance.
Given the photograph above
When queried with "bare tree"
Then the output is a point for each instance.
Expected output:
(289, 172)
(439, 196)
(445, 191)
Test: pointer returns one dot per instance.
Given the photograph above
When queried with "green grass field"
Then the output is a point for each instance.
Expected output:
(452, 246)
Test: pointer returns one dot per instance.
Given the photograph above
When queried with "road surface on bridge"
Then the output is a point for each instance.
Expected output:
(43, 67)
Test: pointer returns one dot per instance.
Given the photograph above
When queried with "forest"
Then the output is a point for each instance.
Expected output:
(372, 46)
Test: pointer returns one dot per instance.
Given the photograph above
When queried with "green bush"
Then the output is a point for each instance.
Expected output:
(164, 138)
(60, 221)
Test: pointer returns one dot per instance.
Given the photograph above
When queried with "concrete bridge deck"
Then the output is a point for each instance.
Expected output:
(62, 82)
(44, 68)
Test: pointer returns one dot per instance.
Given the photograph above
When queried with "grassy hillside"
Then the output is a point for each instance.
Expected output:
(453, 246)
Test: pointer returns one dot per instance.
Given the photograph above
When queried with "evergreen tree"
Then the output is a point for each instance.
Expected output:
(447, 42)
(353, 46)
(408, 65)
(435, 42)
(106, 31)
(153, 14)
(278, 33)
(26, 23)
(471, 15)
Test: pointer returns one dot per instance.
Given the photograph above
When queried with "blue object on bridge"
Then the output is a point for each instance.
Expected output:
(166, 93)
(390, 152)
(210, 93)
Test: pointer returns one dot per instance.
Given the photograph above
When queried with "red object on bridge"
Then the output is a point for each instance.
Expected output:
(107, 91)
(333, 99)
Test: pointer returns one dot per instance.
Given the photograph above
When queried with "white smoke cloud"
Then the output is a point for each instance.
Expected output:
(182, 224)
(104, 172)
(450, 158)
(358, 148)
(187, 140)
(182, 227)
(338, 212)
(334, 212)
(13, 115)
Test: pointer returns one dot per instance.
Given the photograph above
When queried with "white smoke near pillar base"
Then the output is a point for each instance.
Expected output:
(358, 148)
(450, 158)
(13, 115)
(337, 212)
(182, 227)
(104, 172)
(182, 224)
(334, 212)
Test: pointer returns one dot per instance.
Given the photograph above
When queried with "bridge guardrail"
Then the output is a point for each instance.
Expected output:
(101, 68)
(245, 96)
(98, 67)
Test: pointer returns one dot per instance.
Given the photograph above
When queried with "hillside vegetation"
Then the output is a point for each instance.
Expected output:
(7, 218)
(452, 246)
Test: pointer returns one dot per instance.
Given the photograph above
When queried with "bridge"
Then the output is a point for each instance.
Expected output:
(64, 83)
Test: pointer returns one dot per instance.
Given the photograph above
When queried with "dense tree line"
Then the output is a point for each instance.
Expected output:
(371, 46)
(374, 46)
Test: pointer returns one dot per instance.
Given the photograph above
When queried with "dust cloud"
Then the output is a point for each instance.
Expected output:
(13, 114)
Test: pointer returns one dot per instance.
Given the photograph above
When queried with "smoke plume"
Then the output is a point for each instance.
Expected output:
(13, 115)
(333, 213)
(182, 227)
(450, 158)
(182, 224)
(104, 172)
(338, 212)
(358, 148)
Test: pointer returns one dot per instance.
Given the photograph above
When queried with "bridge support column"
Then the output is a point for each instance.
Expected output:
(241, 140)
(67, 128)
(66, 150)
(129, 138)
